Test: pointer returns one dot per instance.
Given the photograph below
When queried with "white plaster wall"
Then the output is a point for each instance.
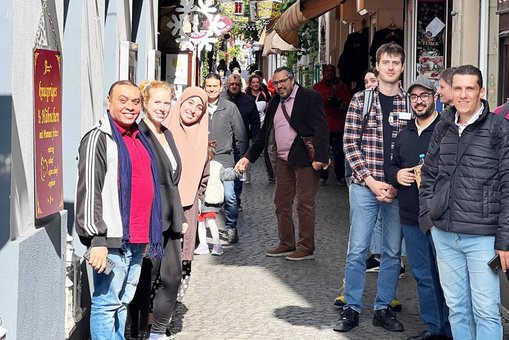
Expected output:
(465, 33)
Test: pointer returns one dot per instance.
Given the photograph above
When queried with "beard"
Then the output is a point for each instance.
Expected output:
(426, 114)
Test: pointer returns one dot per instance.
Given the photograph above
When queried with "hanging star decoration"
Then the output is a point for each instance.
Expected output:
(204, 32)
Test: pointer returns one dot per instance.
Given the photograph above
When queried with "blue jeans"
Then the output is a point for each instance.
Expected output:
(231, 212)
(113, 292)
(471, 288)
(421, 257)
(364, 209)
(376, 239)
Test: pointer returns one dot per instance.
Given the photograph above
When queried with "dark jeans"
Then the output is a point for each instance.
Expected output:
(301, 183)
(336, 145)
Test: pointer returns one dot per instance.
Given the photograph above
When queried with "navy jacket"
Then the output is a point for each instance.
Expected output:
(248, 110)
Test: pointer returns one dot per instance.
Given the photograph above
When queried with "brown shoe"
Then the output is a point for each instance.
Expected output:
(279, 251)
(299, 256)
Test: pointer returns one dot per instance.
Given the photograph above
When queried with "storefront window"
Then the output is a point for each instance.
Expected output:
(431, 32)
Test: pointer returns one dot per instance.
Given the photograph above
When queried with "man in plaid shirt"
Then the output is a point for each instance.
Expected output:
(368, 148)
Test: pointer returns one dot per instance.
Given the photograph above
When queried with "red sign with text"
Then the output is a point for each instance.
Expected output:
(49, 196)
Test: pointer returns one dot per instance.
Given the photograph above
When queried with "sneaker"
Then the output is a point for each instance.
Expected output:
(402, 271)
(298, 255)
(232, 235)
(279, 251)
(340, 301)
(202, 249)
(348, 319)
(372, 264)
(387, 319)
(217, 250)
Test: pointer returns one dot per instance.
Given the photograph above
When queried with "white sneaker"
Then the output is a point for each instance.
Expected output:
(217, 250)
(202, 249)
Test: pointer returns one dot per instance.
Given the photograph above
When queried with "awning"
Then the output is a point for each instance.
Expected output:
(298, 14)
(275, 44)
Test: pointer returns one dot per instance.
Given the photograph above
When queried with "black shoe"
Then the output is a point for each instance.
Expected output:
(425, 335)
(232, 235)
(387, 319)
(348, 319)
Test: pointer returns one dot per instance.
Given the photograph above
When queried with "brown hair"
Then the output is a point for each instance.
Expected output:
(391, 49)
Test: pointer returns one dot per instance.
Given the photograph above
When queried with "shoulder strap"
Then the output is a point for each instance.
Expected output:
(366, 109)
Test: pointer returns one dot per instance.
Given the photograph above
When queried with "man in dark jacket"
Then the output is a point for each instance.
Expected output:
(404, 174)
(249, 112)
(294, 113)
(464, 201)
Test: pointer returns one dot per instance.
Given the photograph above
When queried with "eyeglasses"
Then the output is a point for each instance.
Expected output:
(234, 84)
(277, 82)
(423, 96)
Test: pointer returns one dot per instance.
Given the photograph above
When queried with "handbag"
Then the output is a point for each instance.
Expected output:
(309, 141)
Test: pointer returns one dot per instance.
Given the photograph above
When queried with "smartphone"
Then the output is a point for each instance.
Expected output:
(109, 264)
(495, 265)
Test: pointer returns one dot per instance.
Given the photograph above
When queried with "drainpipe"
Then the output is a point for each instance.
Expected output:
(484, 37)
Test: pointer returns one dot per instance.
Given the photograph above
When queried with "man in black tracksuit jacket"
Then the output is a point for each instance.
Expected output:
(410, 147)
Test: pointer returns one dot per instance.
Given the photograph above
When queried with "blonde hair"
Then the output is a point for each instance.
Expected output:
(147, 85)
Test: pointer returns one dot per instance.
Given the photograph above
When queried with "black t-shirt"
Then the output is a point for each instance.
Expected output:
(387, 103)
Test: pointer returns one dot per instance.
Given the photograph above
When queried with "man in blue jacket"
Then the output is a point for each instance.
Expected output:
(464, 201)
(404, 174)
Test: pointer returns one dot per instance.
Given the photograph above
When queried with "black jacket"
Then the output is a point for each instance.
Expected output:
(248, 110)
(478, 201)
(307, 119)
(172, 212)
(407, 148)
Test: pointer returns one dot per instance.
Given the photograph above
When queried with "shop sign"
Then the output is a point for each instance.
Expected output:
(267, 9)
(48, 133)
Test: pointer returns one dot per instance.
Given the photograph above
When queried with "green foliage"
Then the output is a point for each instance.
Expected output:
(234, 52)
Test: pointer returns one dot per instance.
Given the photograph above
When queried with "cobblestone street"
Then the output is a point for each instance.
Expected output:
(246, 295)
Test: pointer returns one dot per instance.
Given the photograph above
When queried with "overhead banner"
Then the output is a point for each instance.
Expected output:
(49, 197)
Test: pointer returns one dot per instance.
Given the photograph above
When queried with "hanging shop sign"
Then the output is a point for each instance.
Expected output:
(48, 132)
(431, 34)
(267, 9)
(239, 7)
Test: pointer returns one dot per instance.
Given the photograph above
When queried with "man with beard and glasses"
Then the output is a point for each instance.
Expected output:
(404, 174)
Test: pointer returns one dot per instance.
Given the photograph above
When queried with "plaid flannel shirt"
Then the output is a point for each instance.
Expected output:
(366, 157)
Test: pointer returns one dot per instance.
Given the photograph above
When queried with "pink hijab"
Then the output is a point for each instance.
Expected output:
(192, 142)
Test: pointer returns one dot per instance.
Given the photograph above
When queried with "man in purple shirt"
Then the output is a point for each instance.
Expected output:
(294, 112)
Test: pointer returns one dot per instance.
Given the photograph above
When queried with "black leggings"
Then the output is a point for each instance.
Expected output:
(171, 274)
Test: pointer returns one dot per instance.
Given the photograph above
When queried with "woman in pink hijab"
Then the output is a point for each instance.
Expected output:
(188, 122)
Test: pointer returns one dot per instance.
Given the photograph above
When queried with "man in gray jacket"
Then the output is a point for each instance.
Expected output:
(464, 202)
(227, 128)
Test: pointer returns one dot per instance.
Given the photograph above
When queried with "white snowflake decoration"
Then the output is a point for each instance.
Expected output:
(176, 24)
